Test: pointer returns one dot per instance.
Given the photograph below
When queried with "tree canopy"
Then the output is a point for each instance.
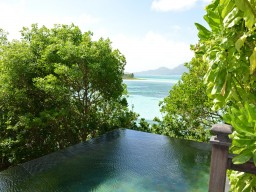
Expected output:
(187, 110)
(58, 87)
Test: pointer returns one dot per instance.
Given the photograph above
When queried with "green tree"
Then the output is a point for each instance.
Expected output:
(229, 47)
(58, 87)
(187, 110)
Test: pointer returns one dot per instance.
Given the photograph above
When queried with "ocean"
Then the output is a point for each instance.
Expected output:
(146, 92)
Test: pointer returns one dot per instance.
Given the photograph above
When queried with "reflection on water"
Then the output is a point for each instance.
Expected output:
(122, 160)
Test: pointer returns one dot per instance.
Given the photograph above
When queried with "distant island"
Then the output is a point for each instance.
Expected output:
(179, 70)
(128, 76)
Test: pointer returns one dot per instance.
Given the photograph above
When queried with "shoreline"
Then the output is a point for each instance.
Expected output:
(133, 78)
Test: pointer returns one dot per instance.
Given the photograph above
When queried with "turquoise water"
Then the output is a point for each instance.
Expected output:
(145, 94)
(120, 161)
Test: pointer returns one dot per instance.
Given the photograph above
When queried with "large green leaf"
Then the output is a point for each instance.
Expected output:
(240, 42)
(214, 20)
(251, 112)
(234, 22)
(240, 122)
(253, 61)
(230, 17)
(227, 5)
(203, 33)
(254, 157)
(242, 142)
(243, 157)
(241, 4)
(246, 7)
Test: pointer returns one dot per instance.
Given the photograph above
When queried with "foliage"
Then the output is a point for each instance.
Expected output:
(58, 87)
(187, 109)
(229, 46)
(241, 181)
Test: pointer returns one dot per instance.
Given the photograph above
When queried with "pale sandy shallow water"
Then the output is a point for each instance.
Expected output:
(145, 94)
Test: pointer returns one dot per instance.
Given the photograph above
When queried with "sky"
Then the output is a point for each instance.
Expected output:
(149, 33)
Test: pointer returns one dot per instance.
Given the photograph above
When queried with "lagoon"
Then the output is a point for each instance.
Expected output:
(146, 92)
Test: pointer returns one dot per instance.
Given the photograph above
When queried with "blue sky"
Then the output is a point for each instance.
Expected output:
(150, 33)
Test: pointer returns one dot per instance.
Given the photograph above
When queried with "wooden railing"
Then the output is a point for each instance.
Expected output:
(221, 160)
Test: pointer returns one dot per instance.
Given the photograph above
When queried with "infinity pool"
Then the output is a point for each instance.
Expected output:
(122, 160)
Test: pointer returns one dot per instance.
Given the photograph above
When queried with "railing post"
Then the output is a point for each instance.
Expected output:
(219, 158)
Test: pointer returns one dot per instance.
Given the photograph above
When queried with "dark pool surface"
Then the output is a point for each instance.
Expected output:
(123, 160)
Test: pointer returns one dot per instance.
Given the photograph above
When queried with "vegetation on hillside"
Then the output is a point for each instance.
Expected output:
(58, 87)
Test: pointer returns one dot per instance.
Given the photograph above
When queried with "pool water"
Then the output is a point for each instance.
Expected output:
(122, 160)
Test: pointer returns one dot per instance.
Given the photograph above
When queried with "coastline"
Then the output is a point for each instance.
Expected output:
(132, 78)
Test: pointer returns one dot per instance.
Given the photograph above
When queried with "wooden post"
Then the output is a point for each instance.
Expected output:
(219, 159)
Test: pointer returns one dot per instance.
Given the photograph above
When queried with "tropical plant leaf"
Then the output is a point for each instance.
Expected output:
(253, 61)
(243, 157)
(228, 5)
(203, 32)
(240, 42)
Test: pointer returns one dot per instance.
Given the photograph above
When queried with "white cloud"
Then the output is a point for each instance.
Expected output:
(152, 51)
(174, 5)
(17, 16)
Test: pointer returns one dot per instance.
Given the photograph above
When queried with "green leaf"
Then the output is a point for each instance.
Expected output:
(249, 20)
(230, 17)
(223, 90)
(243, 157)
(245, 6)
(234, 22)
(253, 61)
(241, 4)
(240, 126)
(203, 33)
(228, 5)
(242, 142)
(227, 118)
(214, 20)
(240, 42)
(212, 6)
(254, 157)
(251, 112)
